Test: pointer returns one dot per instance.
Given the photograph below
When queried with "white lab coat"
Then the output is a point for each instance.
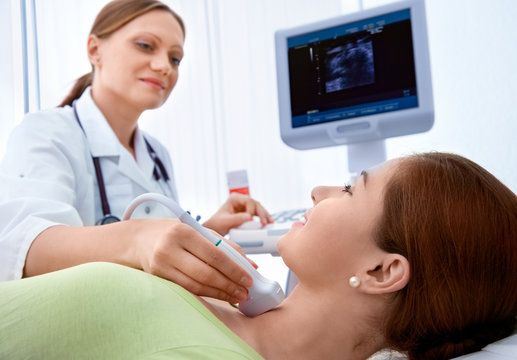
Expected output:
(47, 177)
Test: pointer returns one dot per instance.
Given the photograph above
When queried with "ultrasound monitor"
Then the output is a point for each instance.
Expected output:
(355, 80)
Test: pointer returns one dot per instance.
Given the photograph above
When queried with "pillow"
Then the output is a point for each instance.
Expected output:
(504, 349)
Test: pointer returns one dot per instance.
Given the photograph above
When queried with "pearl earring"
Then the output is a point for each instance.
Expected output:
(354, 282)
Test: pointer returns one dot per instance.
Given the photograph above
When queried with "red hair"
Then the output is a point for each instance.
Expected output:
(457, 226)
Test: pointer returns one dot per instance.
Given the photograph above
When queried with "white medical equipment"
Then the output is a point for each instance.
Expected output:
(263, 295)
(257, 239)
(355, 80)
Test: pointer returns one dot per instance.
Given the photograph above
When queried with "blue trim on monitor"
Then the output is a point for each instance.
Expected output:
(350, 112)
(349, 28)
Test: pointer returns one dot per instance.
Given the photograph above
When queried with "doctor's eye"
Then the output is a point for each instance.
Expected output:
(175, 61)
(347, 189)
(144, 45)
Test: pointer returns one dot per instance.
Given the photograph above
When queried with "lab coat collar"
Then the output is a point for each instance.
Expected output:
(103, 142)
(100, 136)
(143, 158)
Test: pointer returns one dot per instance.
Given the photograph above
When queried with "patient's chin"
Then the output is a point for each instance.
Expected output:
(282, 246)
(279, 245)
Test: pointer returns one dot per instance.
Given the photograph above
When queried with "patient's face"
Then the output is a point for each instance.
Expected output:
(339, 229)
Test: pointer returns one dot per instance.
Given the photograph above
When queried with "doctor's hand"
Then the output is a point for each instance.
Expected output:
(175, 251)
(235, 211)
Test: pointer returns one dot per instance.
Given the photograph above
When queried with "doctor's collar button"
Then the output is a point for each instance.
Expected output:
(21, 175)
(147, 209)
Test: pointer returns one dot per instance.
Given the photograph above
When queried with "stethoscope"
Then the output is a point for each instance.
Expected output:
(159, 172)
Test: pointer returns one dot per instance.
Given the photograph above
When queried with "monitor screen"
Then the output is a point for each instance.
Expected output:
(356, 78)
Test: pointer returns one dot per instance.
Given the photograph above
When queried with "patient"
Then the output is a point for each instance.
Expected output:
(419, 255)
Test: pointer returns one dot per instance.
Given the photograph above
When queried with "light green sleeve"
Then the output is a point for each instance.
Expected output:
(108, 311)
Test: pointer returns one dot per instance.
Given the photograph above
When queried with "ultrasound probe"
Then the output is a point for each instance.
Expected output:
(263, 295)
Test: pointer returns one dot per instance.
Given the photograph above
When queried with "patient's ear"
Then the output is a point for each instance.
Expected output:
(93, 49)
(388, 274)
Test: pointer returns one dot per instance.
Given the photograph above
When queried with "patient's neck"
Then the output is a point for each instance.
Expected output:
(310, 324)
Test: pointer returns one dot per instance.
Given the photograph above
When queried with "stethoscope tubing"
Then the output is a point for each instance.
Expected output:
(159, 173)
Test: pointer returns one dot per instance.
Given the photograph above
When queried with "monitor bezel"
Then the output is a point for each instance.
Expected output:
(366, 128)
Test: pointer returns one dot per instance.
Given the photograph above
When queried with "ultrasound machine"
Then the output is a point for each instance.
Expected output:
(352, 80)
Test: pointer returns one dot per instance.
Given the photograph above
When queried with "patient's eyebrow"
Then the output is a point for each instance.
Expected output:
(364, 174)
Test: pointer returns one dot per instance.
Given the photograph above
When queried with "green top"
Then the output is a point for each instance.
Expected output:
(109, 311)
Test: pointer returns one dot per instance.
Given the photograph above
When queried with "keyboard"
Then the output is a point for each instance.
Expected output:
(257, 239)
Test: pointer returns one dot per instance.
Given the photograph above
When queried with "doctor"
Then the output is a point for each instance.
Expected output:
(79, 165)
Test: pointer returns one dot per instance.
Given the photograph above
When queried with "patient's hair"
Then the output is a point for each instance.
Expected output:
(112, 17)
(457, 226)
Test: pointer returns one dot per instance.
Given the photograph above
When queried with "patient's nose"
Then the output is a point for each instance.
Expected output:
(322, 192)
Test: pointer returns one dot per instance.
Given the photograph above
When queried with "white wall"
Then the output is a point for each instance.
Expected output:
(8, 74)
(473, 57)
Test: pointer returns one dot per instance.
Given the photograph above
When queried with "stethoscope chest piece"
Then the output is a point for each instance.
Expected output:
(107, 219)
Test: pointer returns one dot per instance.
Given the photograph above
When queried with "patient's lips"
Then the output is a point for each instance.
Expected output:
(300, 222)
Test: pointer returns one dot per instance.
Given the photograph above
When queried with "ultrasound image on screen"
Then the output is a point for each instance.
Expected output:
(351, 70)
(349, 65)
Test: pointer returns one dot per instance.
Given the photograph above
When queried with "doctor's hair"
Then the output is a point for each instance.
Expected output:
(112, 17)
(457, 226)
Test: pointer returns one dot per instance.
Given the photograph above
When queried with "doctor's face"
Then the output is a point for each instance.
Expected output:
(339, 231)
(137, 65)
